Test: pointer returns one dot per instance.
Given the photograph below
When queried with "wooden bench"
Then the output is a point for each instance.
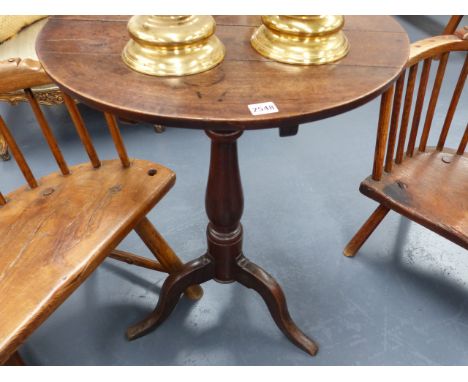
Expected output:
(57, 229)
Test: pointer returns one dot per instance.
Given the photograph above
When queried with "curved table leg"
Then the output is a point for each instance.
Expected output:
(254, 277)
(224, 261)
(195, 272)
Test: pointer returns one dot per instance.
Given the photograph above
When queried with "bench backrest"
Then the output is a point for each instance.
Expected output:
(19, 74)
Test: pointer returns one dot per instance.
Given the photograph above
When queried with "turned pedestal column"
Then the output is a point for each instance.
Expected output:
(224, 260)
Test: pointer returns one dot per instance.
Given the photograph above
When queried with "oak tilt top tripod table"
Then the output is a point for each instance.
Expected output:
(82, 54)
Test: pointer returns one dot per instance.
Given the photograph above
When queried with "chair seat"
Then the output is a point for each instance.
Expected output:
(430, 188)
(52, 237)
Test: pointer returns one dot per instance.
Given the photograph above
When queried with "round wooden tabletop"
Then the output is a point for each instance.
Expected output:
(82, 54)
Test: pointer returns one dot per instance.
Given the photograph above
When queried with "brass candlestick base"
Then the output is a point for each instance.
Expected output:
(304, 40)
(172, 45)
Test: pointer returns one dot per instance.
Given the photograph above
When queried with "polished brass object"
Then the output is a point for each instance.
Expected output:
(304, 40)
(172, 45)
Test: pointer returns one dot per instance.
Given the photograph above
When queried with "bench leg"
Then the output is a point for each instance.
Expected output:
(15, 360)
(4, 154)
(365, 231)
(164, 253)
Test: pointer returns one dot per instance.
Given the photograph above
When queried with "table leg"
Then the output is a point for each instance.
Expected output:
(224, 261)
(254, 277)
(195, 272)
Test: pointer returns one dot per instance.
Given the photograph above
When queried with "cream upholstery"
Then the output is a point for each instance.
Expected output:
(23, 44)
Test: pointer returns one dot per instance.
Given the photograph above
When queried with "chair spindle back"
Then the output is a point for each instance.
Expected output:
(390, 133)
(52, 142)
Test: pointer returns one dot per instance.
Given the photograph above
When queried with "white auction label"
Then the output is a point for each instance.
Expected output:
(263, 108)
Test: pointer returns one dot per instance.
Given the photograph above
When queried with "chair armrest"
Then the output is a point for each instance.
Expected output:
(17, 74)
(433, 46)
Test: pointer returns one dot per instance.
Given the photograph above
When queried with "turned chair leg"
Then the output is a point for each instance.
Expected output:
(15, 360)
(164, 253)
(4, 154)
(365, 231)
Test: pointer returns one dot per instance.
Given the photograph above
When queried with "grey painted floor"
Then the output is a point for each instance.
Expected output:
(402, 300)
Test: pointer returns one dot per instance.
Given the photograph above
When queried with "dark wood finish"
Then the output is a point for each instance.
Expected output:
(429, 186)
(164, 253)
(218, 98)
(288, 131)
(224, 260)
(217, 102)
(195, 272)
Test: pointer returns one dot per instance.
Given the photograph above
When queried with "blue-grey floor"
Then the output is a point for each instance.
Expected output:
(402, 301)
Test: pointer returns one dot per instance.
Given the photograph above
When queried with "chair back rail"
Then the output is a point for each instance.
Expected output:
(464, 142)
(452, 24)
(17, 74)
(419, 106)
(390, 133)
(406, 113)
(453, 105)
(433, 101)
(25, 76)
(81, 130)
(117, 138)
(47, 132)
(17, 154)
(394, 122)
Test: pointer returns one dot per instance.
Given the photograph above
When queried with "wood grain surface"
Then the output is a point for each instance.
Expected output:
(429, 186)
(82, 54)
(431, 189)
(53, 236)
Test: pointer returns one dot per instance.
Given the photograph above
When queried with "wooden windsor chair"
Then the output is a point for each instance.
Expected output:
(56, 230)
(428, 185)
